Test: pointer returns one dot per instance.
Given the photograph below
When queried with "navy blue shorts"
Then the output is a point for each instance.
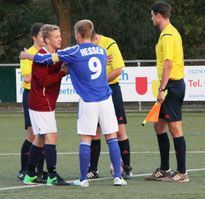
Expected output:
(25, 108)
(118, 103)
(171, 109)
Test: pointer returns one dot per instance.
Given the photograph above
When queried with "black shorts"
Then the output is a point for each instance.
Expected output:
(171, 109)
(118, 103)
(25, 108)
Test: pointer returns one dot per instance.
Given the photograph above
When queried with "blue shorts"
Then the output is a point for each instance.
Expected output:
(25, 108)
(171, 109)
(118, 103)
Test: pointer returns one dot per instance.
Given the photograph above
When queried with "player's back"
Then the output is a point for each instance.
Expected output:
(87, 66)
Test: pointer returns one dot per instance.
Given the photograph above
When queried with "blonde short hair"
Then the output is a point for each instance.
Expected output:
(47, 29)
(85, 28)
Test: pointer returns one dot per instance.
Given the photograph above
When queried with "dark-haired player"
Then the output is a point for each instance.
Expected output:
(26, 68)
(170, 67)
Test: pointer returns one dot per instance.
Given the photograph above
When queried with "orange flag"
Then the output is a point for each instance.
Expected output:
(153, 115)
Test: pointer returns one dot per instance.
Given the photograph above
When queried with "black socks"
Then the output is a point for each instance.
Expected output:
(24, 154)
(164, 147)
(180, 150)
(95, 154)
(125, 151)
(50, 156)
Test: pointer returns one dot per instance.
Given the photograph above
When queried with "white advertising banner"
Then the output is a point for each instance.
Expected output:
(137, 84)
(67, 92)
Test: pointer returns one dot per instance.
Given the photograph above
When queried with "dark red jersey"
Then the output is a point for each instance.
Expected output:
(45, 85)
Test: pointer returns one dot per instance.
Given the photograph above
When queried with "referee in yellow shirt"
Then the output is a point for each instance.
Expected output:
(26, 68)
(114, 70)
(170, 67)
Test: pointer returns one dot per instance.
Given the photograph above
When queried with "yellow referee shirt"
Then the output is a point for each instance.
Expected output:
(169, 47)
(26, 67)
(112, 48)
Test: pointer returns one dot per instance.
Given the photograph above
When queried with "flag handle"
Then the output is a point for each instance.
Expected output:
(144, 122)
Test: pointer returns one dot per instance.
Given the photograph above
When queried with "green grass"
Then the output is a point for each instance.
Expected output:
(12, 135)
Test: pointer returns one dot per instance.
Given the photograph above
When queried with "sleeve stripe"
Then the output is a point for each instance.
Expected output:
(67, 55)
(111, 45)
(40, 60)
(166, 34)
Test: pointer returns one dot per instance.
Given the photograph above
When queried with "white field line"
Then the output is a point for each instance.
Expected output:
(98, 179)
(21, 187)
(76, 153)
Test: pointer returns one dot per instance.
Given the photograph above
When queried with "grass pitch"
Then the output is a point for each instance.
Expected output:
(144, 159)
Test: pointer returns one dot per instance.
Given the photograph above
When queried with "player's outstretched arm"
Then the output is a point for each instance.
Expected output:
(39, 58)
(44, 58)
(25, 55)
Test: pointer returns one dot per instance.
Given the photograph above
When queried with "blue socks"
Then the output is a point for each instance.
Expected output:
(84, 157)
(115, 156)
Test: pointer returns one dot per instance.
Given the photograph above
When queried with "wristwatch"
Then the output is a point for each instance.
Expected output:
(160, 89)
